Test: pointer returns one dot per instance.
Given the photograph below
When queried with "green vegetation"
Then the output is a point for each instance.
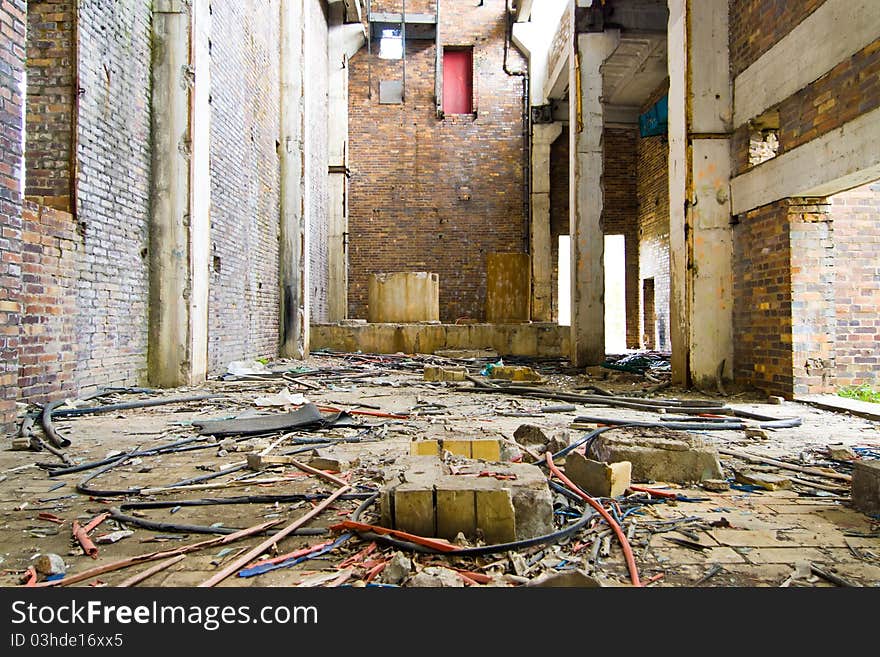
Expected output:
(863, 392)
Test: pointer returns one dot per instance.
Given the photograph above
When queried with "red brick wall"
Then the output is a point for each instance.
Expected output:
(756, 25)
(437, 195)
(12, 56)
(51, 64)
(762, 299)
(856, 215)
(811, 239)
(621, 214)
(652, 183)
(47, 354)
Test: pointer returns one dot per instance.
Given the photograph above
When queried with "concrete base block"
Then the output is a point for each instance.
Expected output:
(598, 479)
(422, 496)
(659, 454)
(433, 373)
(866, 486)
(515, 373)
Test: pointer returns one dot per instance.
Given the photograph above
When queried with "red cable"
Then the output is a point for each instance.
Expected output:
(627, 550)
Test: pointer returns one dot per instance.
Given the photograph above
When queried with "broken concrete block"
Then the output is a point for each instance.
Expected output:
(598, 479)
(515, 373)
(496, 517)
(456, 507)
(558, 441)
(433, 373)
(658, 454)
(397, 569)
(774, 399)
(715, 485)
(530, 434)
(568, 578)
(763, 479)
(436, 576)
(840, 452)
(757, 434)
(422, 496)
(414, 509)
(487, 449)
(323, 460)
(866, 486)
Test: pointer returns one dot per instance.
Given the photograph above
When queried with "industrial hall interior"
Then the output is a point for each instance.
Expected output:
(440, 293)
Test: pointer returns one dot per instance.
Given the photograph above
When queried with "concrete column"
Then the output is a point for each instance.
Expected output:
(586, 197)
(543, 136)
(293, 255)
(344, 41)
(177, 353)
(700, 124)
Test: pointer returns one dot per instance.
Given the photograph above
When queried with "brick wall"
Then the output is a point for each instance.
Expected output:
(51, 64)
(856, 215)
(756, 25)
(245, 181)
(12, 55)
(559, 204)
(437, 195)
(113, 191)
(653, 196)
(811, 238)
(762, 299)
(47, 354)
(316, 118)
(620, 216)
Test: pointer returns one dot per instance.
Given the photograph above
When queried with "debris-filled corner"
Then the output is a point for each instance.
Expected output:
(448, 470)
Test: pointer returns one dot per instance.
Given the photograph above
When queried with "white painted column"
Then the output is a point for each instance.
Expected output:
(344, 41)
(543, 136)
(293, 253)
(701, 245)
(586, 198)
(180, 195)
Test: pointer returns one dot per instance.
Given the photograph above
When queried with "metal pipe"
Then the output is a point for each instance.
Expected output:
(403, 49)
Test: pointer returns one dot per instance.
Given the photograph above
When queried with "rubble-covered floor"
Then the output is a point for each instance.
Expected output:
(744, 536)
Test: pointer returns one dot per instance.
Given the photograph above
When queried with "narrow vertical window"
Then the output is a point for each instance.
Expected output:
(458, 80)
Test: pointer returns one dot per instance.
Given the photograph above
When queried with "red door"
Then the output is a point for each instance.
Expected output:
(458, 66)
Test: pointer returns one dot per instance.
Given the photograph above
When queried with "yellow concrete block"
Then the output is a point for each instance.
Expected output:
(433, 373)
(597, 478)
(456, 511)
(515, 373)
(487, 450)
(424, 448)
(414, 509)
(495, 515)
(458, 447)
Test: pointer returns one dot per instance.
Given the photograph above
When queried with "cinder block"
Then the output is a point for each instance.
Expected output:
(414, 509)
(487, 450)
(596, 478)
(424, 448)
(495, 515)
(457, 447)
(456, 508)
(866, 486)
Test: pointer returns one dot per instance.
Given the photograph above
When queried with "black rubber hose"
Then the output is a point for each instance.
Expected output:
(125, 406)
(475, 551)
(241, 499)
(785, 423)
(162, 449)
(152, 525)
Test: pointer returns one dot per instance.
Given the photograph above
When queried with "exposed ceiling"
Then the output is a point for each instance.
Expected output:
(632, 72)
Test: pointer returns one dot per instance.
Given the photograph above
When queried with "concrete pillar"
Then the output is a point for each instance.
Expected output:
(543, 136)
(179, 242)
(293, 254)
(344, 41)
(700, 125)
(586, 197)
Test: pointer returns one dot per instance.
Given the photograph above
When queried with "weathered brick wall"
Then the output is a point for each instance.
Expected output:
(653, 195)
(559, 204)
(113, 192)
(316, 118)
(47, 354)
(12, 56)
(437, 195)
(51, 66)
(245, 181)
(620, 216)
(756, 25)
(811, 239)
(762, 299)
(856, 215)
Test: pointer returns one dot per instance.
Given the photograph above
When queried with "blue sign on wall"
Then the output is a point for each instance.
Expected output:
(656, 120)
